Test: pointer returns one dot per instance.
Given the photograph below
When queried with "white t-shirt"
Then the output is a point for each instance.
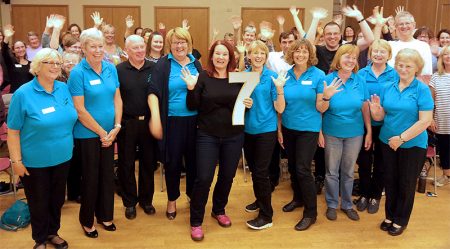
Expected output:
(441, 86)
(276, 62)
(422, 47)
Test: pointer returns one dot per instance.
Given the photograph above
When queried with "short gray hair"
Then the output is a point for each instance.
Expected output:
(91, 34)
(133, 38)
(43, 55)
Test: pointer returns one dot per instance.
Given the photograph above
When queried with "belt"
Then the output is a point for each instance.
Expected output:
(128, 117)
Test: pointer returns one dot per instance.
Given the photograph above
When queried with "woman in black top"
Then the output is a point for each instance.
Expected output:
(18, 66)
(217, 139)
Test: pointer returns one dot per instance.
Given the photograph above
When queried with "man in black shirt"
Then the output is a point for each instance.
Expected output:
(134, 77)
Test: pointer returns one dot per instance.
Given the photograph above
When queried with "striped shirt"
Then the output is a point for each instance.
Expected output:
(441, 86)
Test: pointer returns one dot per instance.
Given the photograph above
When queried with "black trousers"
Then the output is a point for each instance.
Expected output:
(319, 162)
(97, 183)
(274, 168)
(444, 150)
(136, 133)
(300, 148)
(211, 149)
(181, 136)
(74, 177)
(45, 189)
(371, 168)
(402, 169)
(258, 152)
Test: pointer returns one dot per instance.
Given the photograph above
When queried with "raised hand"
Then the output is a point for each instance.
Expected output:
(184, 24)
(240, 47)
(161, 26)
(374, 103)
(332, 89)
(377, 16)
(399, 9)
(188, 78)
(294, 11)
(236, 21)
(319, 13)
(352, 12)
(281, 79)
(129, 22)
(58, 21)
(49, 21)
(339, 19)
(266, 30)
(98, 20)
(280, 20)
(8, 30)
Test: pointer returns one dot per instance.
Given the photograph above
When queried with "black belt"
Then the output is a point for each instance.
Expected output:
(128, 117)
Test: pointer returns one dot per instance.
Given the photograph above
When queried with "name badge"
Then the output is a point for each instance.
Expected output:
(306, 82)
(95, 82)
(48, 110)
(18, 65)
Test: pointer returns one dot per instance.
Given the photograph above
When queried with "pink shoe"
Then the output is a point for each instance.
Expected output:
(197, 233)
(223, 220)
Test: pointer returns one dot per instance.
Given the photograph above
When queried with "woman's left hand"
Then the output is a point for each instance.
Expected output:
(395, 142)
(110, 137)
(368, 141)
(248, 102)
(281, 79)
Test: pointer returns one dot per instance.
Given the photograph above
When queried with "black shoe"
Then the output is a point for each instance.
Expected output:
(305, 223)
(259, 223)
(253, 207)
(93, 234)
(291, 206)
(395, 231)
(62, 245)
(40, 245)
(385, 225)
(331, 214)
(110, 228)
(362, 203)
(130, 213)
(148, 209)
(373, 207)
(351, 214)
(172, 215)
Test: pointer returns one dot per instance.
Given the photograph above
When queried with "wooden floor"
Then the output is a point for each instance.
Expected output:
(429, 226)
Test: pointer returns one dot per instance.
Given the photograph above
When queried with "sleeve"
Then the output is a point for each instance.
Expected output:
(16, 112)
(365, 89)
(433, 81)
(425, 51)
(156, 79)
(273, 89)
(75, 83)
(7, 58)
(193, 98)
(116, 76)
(320, 79)
(425, 100)
(45, 41)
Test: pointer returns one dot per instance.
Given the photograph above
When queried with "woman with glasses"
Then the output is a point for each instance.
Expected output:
(41, 119)
(176, 125)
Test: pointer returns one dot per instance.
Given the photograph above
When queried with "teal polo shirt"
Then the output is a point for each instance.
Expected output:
(178, 88)
(262, 117)
(402, 111)
(300, 94)
(344, 117)
(45, 121)
(98, 91)
(374, 84)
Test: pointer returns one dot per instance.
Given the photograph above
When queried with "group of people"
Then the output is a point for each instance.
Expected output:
(312, 100)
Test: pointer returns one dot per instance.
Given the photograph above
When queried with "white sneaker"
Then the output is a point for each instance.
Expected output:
(442, 180)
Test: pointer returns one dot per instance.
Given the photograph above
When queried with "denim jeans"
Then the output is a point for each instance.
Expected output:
(340, 159)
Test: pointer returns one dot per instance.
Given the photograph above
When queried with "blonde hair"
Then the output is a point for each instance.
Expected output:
(344, 49)
(289, 56)
(259, 45)
(440, 63)
(91, 34)
(66, 55)
(43, 55)
(380, 43)
(408, 54)
(250, 29)
(179, 33)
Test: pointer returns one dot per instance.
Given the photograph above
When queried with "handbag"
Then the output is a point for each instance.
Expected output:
(16, 217)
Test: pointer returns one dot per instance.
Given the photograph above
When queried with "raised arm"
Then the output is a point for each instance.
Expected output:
(58, 23)
(298, 23)
(378, 20)
(280, 103)
(280, 20)
(236, 21)
(98, 20)
(317, 15)
(129, 23)
(363, 25)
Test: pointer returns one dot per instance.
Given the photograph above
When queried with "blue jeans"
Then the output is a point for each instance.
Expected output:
(340, 159)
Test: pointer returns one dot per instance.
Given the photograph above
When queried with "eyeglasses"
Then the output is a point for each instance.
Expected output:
(179, 43)
(54, 63)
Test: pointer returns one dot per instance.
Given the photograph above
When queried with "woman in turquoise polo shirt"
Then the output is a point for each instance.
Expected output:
(406, 108)
(40, 140)
(301, 123)
(94, 86)
(261, 130)
(346, 114)
(377, 74)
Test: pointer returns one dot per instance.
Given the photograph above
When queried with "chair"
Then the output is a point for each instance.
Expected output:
(5, 164)
(431, 156)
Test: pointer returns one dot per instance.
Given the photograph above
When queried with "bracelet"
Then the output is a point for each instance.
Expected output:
(362, 20)
(117, 126)
(14, 162)
(401, 139)
(325, 99)
(280, 93)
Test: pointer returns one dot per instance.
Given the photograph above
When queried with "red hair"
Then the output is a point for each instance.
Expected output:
(231, 67)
